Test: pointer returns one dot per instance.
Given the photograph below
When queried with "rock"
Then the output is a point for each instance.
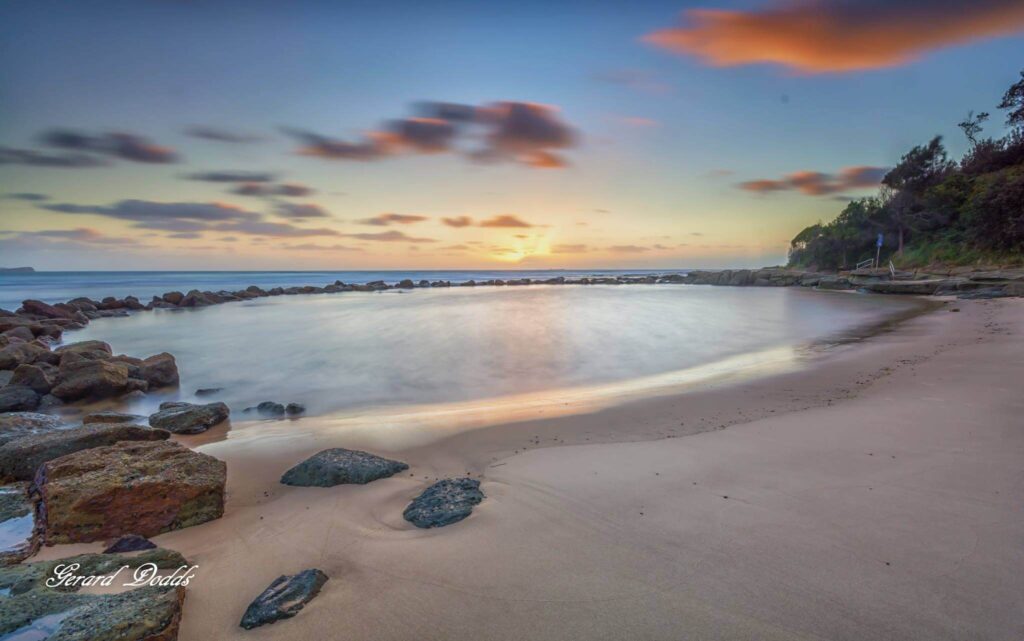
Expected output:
(443, 503)
(173, 297)
(30, 577)
(19, 353)
(112, 417)
(405, 284)
(21, 457)
(17, 424)
(294, 409)
(17, 524)
(151, 613)
(128, 488)
(208, 391)
(90, 379)
(89, 349)
(337, 465)
(919, 287)
(188, 418)
(270, 408)
(129, 543)
(33, 377)
(49, 401)
(285, 597)
(159, 371)
(22, 332)
(5, 377)
(985, 293)
(39, 308)
(18, 398)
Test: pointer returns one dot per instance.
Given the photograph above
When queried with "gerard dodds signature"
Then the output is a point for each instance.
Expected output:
(146, 574)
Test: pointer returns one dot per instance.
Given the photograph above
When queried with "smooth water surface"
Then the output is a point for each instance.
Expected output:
(360, 350)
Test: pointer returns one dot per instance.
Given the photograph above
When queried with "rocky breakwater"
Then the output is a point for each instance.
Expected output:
(131, 487)
(41, 377)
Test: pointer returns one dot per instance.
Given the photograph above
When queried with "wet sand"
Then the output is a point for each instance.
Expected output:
(872, 495)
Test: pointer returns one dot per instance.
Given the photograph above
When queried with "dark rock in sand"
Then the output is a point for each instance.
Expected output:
(18, 398)
(208, 391)
(128, 488)
(294, 409)
(188, 418)
(112, 417)
(129, 543)
(90, 379)
(285, 597)
(338, 465)
(21, 457)
(443, 503)
(270, 408)
(32, 376)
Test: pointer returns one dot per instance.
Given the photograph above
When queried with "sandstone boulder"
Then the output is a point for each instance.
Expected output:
(21, 457)
(32, 376)
(18, 398)
(143, 488)
(159, 371)
(90, 379)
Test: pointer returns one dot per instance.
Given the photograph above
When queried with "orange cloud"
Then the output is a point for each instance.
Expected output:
(816, 183)
(505, 220)
(829, 36)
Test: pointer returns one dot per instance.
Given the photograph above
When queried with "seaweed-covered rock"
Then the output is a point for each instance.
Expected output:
(18, 398)
(129, 543)
(284, 598)
(151, 613)
(443, 503)
(188, 418)
(17, 424)
(21, 457)
(338, 465)
(131, 487)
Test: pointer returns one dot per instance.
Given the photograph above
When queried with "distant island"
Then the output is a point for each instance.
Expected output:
(933, 210)
(17, 270)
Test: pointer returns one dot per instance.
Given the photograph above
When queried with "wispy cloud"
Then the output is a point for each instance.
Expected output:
(822, 36)
(33, 158)
(391, 237)
(505, 220)
(125, 146)
(457, 221)
(228, 176)
(301, 211)
(217, 134)
(383, 220)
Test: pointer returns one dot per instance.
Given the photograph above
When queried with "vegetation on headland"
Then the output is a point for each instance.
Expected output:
(934, 210)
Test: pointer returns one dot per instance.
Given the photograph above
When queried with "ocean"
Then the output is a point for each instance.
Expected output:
(362, 351)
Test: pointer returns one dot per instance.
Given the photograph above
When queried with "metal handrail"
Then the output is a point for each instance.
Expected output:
(892, 269)
(865, 263)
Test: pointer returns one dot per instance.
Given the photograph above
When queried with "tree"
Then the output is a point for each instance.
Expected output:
(919, 169)
(1013, 100)
(972, 126)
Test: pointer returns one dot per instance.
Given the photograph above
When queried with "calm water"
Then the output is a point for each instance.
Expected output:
(354, 351)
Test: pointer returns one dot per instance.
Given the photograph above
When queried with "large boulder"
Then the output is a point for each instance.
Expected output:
(20, 353)
(90, 379)
(159, 371)
(189, 418)
(32, 376)
(92, 350)
(143, 488)
(39, 308)
(17, 424)
(18, 398)
(108, 416)
(21, 457)
(443, 503)
(284, 598)
(338, 465)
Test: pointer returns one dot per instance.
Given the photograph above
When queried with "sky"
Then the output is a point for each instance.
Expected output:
(259, 135)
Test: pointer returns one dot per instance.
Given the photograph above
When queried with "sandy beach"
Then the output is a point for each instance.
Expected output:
(872, 495)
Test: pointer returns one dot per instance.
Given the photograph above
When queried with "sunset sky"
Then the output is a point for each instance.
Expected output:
(328, 135)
